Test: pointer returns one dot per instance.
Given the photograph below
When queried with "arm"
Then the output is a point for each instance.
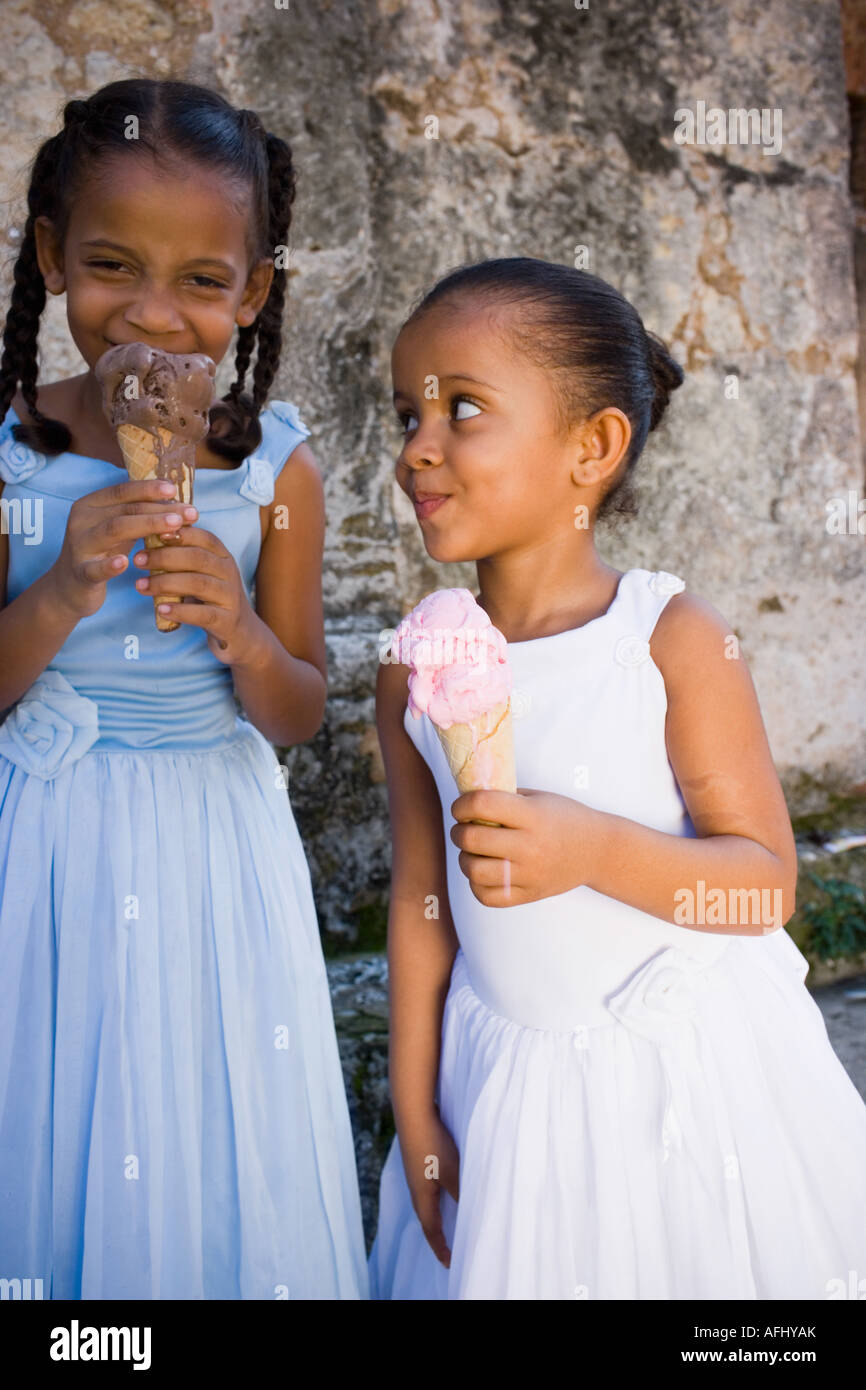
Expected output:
(718, 749)
(283, 683)
(421, 947)
(33, 628)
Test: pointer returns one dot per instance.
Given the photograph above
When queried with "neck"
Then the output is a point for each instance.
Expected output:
(550, 589)
(89, 420)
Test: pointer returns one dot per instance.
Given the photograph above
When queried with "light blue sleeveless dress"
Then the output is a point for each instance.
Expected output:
(173, 1121)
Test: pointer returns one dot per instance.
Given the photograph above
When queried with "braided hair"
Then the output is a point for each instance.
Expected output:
(173, 119)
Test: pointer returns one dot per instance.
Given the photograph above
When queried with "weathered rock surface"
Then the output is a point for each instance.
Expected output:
(554, 129)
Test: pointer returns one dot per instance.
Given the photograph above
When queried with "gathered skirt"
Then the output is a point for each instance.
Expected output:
(706, 1143)
(173, 1121)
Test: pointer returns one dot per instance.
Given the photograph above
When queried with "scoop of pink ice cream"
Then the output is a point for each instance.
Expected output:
(458, 659)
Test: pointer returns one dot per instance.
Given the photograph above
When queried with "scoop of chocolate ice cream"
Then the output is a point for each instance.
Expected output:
(151, 389)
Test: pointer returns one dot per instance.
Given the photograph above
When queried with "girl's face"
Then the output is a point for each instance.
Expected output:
(154, 258)
(481, 460)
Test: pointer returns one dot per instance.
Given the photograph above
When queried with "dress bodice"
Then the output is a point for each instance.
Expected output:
(588, 708)
(151, 689)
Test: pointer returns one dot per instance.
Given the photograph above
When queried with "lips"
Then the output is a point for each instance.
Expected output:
(428, 502)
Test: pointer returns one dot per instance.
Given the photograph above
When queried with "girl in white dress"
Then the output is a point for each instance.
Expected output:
(609, 1080)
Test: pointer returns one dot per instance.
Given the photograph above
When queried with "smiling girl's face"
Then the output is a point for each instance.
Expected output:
(155, 257)
(486, 452)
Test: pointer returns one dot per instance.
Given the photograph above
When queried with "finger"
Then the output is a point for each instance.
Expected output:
(184, 584)
(500, 897)
(449, 1178)
(106, 567)
(118, 532)
(157, 508)
(204, 615)
(182, 553)
(166, 530)
(204, 540)
(431, 1225)
(130, 490)
(505, 808)
(492, 841)
(486, 873)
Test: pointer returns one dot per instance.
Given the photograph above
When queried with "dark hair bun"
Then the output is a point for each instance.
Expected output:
(667, 375)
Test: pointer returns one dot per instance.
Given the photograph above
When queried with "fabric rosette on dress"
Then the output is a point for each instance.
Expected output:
(659, 1003)
(17, 461)
(258, 483)
(50, 727)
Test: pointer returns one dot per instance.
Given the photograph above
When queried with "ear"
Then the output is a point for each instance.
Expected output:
(603, 442)
(49, 254)
(256, 292)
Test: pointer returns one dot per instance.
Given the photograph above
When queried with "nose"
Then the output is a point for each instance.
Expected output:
(153, 315)
(422, 450)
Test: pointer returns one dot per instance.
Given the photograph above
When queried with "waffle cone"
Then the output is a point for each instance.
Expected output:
(145, 458)
(481, 754)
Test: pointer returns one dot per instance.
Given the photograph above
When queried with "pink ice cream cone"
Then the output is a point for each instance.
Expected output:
(461, 679)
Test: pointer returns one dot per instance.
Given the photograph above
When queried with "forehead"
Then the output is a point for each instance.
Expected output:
(194, 210)
(479, 335)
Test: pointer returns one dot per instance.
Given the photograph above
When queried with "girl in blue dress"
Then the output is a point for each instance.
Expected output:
(173, 1122)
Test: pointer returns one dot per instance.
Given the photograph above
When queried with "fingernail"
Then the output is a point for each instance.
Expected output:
(141, 583)
(163, 608)
(140, 560)
(173, 519)
(190, 511)
(167, 489)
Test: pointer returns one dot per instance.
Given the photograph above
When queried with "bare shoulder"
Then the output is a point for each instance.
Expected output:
(300, 476)
(690, 634)
(298, 487)
(51, 397)
(302, 462)
(392, 689)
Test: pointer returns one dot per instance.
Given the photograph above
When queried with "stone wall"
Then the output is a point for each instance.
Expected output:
(556, 129)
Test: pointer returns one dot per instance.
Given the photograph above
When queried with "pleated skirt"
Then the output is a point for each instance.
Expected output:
(707, 1143)
(173, 1121)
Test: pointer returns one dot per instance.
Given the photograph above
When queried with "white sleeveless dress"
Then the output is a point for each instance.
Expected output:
(642, 1110)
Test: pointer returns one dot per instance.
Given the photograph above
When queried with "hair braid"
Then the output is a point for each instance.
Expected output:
(267, 331)
(281, 193)
(21, 331)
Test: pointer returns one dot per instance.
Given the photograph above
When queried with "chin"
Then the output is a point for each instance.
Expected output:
(446, 551)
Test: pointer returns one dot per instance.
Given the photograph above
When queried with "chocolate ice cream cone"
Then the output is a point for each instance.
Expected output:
(159, 404)
(145, 456)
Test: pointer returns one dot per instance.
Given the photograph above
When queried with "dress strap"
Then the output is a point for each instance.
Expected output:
(282, 431)
(648, 594)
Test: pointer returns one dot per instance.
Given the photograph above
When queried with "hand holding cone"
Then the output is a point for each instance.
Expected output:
(159, 405)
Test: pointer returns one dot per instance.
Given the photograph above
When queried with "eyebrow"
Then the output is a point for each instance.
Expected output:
(458, 376)
(127, 251)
